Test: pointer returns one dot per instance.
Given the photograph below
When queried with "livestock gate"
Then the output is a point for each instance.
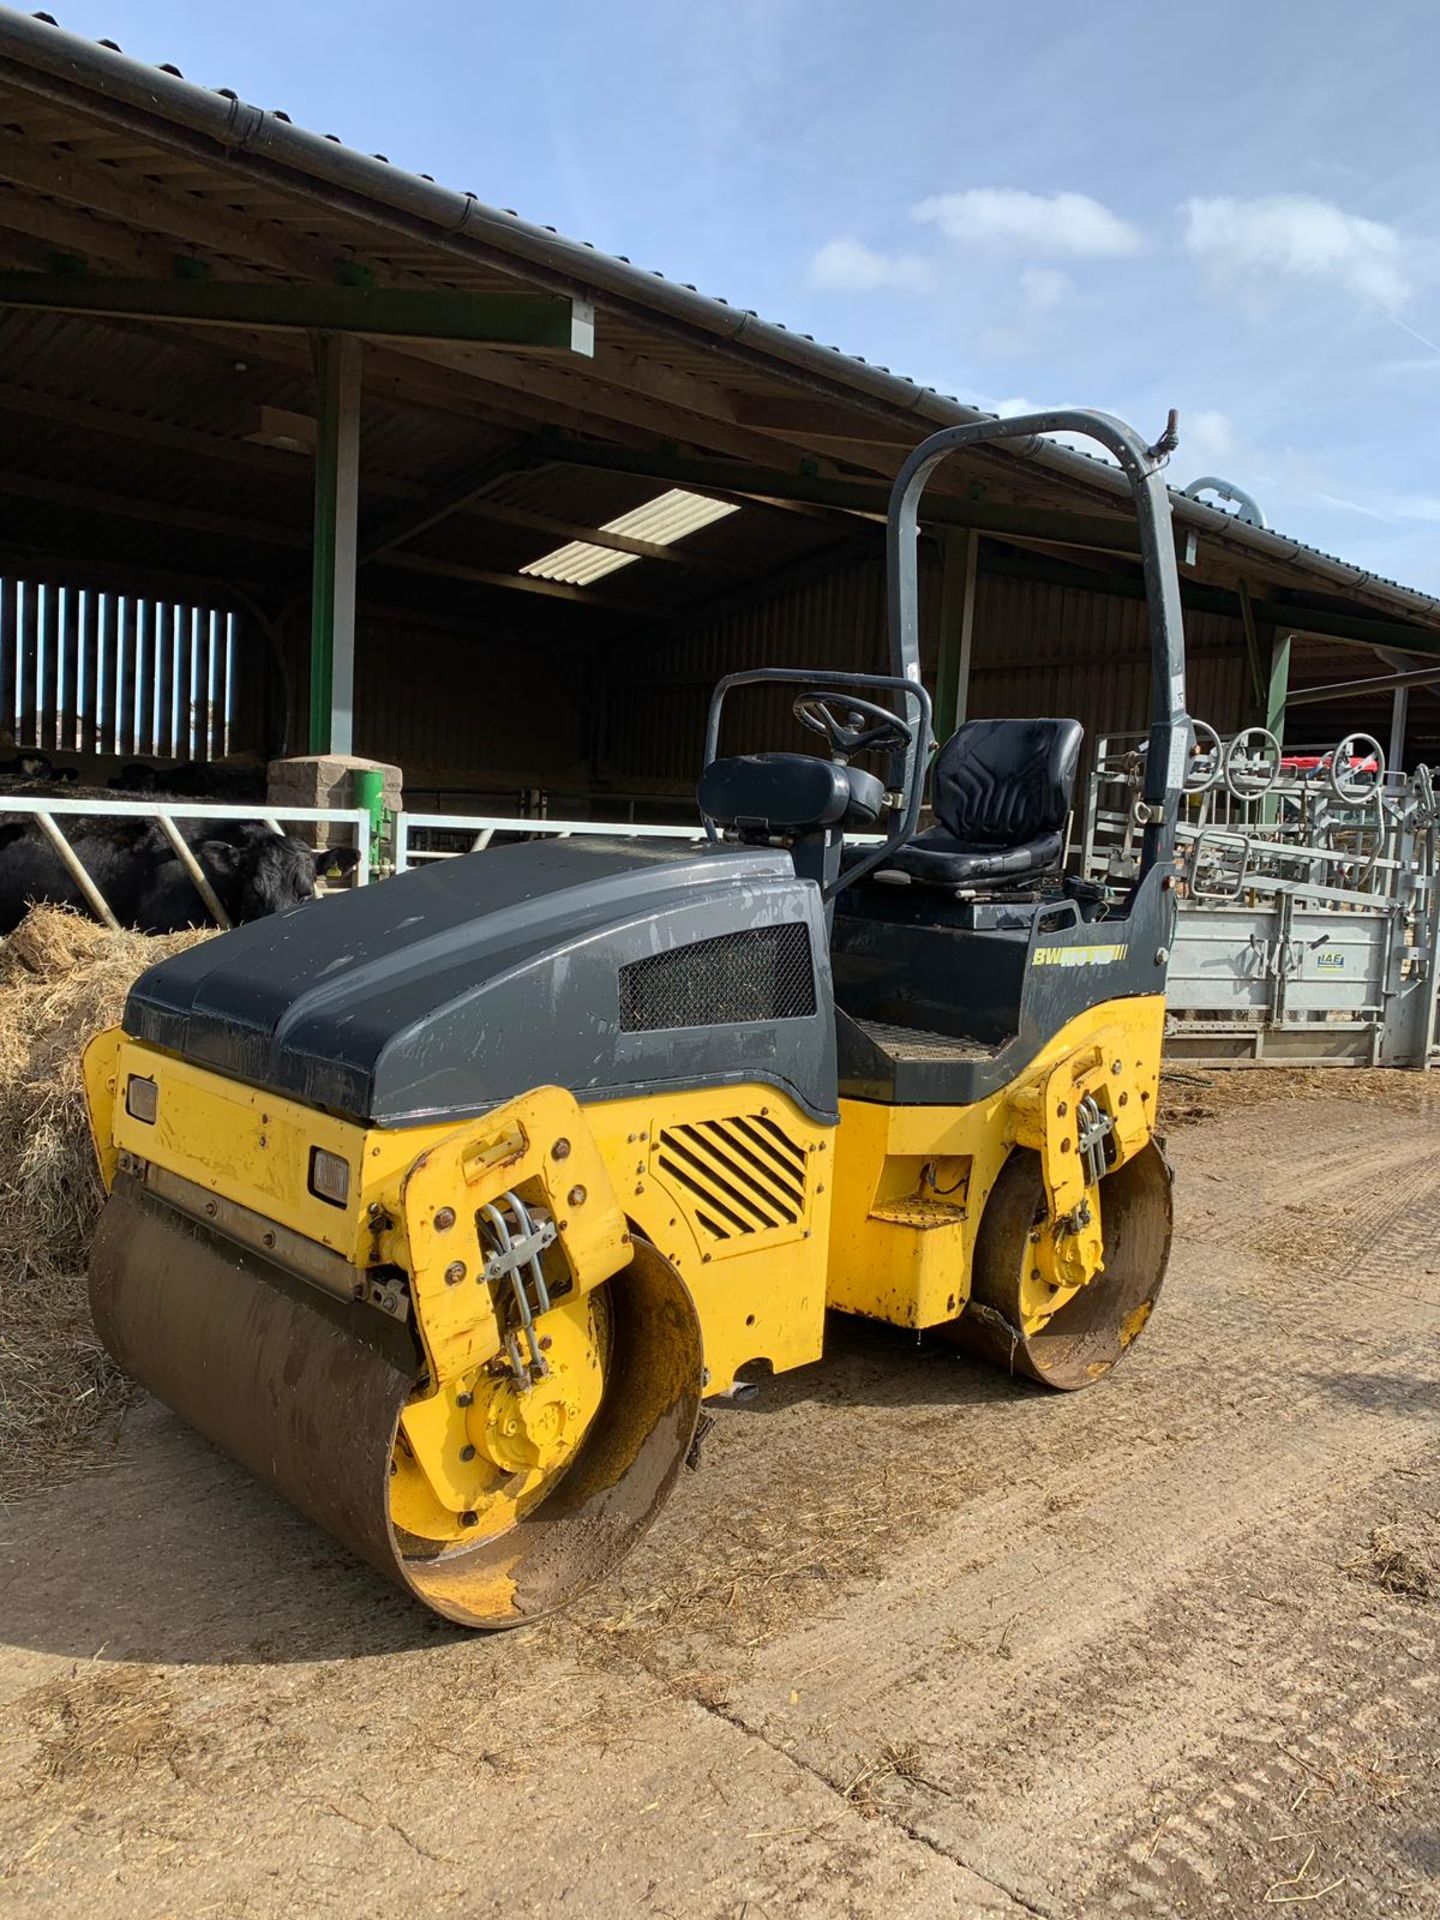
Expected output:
(1308, 919)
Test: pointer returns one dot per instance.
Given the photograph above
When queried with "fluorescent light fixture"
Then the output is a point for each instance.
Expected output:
(669, 517)
(278, 427)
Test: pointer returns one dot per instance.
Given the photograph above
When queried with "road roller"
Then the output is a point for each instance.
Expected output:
(445, 1204)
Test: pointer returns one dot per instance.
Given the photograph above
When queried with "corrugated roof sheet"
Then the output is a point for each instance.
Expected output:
(662, 521)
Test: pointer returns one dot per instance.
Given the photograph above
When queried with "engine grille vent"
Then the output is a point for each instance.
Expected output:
(764, 973)
(740, 1176)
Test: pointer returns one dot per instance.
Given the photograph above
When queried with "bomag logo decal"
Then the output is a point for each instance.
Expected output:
(1081, 956)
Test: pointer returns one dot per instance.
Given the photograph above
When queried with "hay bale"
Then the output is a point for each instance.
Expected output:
(62, 979)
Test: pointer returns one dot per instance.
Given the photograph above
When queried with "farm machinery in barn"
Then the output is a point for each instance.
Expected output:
(443, 1209)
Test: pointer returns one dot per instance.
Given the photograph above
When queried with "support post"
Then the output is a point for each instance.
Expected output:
(337, 500)
(1277, 685)
(1406, 667)
(959, 568)
(1399, 721)
(1273, 647)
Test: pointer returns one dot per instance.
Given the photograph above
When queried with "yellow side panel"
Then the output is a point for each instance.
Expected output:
(100, 1068)
(912, 1182)
(734, 1185)
(252, 1147)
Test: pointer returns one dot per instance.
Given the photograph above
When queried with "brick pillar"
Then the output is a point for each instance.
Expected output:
(324, 780)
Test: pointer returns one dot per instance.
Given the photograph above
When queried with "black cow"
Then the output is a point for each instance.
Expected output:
(253, 870)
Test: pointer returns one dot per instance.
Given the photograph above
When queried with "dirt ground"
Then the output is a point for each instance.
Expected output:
(915, 1639)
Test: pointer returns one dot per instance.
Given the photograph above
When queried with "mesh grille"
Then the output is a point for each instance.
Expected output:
(764, 973)
(743, 1175)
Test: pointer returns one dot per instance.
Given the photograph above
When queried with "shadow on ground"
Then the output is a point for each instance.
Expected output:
(170, 1552)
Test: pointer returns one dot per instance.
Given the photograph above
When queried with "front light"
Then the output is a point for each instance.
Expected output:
(142, 1099)
(329, 1177)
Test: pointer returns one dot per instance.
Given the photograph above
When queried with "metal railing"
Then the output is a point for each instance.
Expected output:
(47, 815)
(480, 829)
(1308, 923)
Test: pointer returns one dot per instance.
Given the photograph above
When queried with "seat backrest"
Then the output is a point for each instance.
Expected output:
(999, 783)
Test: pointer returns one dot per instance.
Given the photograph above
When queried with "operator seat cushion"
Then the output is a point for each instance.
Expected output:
(785, 793)
(1001, 793)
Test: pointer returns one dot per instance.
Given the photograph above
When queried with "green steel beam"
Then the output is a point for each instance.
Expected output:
(1277, 684)
(337, 500)
(536, 322)
(1111, 533)
(959, 569)
(1252, 644)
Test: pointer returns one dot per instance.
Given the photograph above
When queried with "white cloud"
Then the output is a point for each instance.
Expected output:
(1423, 509)
(1208, 439)
(1066, 225)
(1297, 234)
(847, 265)
(1044, 288)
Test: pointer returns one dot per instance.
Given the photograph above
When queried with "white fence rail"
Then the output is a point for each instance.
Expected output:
(48, 815)
(482, 829)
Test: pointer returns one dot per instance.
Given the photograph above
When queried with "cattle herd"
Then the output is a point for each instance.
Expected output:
(252, 869)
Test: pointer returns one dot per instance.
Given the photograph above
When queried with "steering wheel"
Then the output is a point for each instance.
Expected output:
(818, 712)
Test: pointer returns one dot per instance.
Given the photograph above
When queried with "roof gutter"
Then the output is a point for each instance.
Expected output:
(39, 47)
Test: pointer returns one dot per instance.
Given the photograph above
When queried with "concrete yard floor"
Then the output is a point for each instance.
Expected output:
(915, 1640)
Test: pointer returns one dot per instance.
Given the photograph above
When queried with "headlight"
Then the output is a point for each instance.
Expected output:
(142, 1099)
(329, 1177)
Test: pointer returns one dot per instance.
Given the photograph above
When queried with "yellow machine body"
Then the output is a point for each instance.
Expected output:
(766, 1217)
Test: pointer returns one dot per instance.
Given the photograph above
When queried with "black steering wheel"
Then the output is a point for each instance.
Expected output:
(887, 730)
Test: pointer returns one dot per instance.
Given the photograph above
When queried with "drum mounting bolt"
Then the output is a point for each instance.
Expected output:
(467, 1453)
(560, 1150)
(468, 1519)
(454, 1273)
(464, 1399)
(444, 1219)
(575, 1197)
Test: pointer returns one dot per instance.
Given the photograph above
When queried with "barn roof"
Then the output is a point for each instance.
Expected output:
(110, 166)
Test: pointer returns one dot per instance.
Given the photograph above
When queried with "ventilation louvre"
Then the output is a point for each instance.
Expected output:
(736, 979)
(737, 1177)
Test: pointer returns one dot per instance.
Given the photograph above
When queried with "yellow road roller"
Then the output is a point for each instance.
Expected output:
(445, 1204)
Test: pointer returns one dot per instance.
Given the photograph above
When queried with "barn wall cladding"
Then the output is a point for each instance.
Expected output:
(470, 712)
(658, 697)
(1060, 650)
(1038, 648)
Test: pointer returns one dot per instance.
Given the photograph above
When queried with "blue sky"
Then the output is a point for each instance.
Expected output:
(1232, 209)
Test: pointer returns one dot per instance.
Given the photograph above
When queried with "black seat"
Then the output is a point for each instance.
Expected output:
(788, 795)
(1001, 790)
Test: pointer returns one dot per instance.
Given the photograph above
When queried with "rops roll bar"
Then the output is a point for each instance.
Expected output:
(1142, 467)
